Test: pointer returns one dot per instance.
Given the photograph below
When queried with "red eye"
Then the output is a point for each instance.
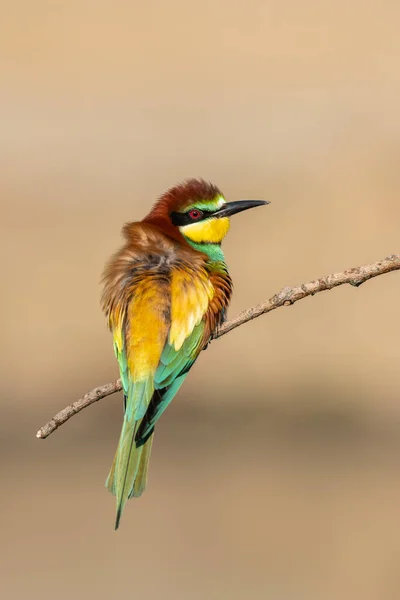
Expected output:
(195, 214)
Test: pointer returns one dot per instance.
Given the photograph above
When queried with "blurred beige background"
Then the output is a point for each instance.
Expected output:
(276, 472)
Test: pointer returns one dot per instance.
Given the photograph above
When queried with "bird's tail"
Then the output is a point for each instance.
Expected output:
(128, 474)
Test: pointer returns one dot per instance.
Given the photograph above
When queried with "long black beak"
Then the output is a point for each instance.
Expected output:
(231, 208)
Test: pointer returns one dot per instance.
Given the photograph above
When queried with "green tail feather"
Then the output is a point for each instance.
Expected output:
(128, 473)
(141, 476)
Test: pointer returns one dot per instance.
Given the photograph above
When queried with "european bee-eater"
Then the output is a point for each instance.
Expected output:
(165, 292)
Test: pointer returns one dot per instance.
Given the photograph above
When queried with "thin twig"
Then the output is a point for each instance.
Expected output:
(286, 297)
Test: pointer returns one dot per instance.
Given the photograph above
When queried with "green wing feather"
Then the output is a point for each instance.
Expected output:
(169, 376)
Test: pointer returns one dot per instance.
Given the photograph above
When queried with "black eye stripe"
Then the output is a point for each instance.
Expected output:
(178, 219)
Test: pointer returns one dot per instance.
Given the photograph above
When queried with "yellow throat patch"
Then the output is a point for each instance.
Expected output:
(210, 231)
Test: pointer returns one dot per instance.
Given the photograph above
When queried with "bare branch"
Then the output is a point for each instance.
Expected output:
(69, 411)
(286, 297)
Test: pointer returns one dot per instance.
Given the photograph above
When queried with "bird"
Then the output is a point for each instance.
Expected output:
(164, 294)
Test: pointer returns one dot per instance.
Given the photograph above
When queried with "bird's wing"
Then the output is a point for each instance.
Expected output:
(171, 373)
(140, 322)
(160, 321)
(191, 296)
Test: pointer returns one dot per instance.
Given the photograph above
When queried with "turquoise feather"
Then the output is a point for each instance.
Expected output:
(171, 373)
(167, 398)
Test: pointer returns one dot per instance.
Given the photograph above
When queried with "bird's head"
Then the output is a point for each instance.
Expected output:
(198, 210)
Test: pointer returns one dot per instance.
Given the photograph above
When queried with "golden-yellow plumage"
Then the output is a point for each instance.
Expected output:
(212, 231)
(191, 292)
(146, 332)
